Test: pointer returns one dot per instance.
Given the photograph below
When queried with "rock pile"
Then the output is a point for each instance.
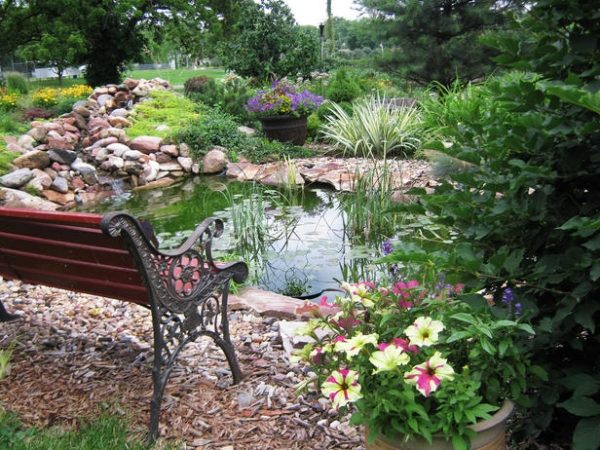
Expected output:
(64, 160)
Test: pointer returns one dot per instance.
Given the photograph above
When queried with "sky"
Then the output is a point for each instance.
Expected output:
(314, 12)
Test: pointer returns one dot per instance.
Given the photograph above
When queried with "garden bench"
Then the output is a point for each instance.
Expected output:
(117, 256)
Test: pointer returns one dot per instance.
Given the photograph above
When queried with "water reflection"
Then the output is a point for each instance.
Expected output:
(291, 249)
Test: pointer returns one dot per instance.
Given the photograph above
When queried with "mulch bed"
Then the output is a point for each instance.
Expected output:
(76, 355)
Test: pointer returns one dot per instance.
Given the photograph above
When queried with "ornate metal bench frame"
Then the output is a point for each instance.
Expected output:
(188, 296)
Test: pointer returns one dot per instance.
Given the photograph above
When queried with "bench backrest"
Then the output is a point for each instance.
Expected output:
(68, 251)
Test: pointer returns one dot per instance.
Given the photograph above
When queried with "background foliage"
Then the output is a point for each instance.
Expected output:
(524, 211)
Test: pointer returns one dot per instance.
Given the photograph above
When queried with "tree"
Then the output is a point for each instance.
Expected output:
(61, 49)
(266, 42)
(438, 39)
(105, 34)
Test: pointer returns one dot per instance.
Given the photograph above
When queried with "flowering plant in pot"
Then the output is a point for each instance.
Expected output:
(283, 109)
(414, 364)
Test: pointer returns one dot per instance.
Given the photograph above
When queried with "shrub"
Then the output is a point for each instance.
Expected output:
(16, 82)
(375, 129)
(37, 113)
(211, 128)
(230, 96)
(343, 88)
(197, 85)
(6, 159)
(10, 125)
(313, 126)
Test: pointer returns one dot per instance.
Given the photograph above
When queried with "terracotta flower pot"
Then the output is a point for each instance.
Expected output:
(490, 436)
(285, 129)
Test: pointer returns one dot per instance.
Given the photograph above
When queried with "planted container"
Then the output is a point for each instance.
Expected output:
(491, 435)
(285, 129)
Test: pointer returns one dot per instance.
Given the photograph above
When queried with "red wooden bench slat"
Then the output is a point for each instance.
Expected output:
(129, 293)
(60, 233)
(63, 266)
(82, 219)
(68, 250)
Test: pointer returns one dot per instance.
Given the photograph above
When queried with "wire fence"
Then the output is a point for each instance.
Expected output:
(31, 69)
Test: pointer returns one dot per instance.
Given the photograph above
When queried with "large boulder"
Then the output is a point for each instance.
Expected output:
(12, 198)
(215, 161)
(17, 178)
(146, 144)
(35, 159)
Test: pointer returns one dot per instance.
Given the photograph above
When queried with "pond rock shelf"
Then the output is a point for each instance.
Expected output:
(76, 158)
(342, 174)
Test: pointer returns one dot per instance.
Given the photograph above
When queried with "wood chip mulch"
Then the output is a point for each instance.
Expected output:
(76, 355)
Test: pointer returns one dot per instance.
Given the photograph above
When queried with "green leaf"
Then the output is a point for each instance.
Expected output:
(487, 346)
(581, 406)
(581, 384)
(457, 336)
(595, 272)
(464, 317)
(526, 327)
(586, 436)
(511, 264)
(539, 372)
(459, 443)
(584, 314)
(502, 347)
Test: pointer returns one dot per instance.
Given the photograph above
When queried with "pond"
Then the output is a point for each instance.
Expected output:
(295, 242)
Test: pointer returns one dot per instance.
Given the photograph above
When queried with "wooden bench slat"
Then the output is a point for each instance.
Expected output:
(62, 266)
(61, 233)
(127, 292)
(83, 219)
(68, 250)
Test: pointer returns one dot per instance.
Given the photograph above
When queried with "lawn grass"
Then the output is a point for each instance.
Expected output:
(175, 76)
(103, 432)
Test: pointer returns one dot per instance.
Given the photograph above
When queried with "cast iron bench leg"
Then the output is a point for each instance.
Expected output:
(5, 316)
(188, 297)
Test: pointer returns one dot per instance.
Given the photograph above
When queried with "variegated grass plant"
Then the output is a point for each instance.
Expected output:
(376, 129)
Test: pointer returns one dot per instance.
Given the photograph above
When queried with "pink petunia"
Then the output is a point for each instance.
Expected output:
(428, 376)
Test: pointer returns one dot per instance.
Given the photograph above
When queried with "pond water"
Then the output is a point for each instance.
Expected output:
(295, 243)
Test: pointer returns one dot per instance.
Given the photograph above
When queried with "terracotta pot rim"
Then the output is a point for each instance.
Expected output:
(499, 416)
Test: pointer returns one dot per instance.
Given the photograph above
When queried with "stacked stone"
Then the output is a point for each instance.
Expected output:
(59, 158)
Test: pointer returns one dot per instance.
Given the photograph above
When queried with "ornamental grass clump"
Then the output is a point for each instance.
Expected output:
(416, 363)
(283, 99)
(375, 129)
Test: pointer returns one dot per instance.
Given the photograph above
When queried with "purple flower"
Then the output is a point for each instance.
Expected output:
(517, 309)
(283, 98)
(387, 247)
(508, 296)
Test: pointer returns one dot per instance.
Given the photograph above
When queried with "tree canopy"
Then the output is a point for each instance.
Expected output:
(438, 39)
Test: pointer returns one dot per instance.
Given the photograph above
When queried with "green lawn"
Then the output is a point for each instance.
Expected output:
(175, 76)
